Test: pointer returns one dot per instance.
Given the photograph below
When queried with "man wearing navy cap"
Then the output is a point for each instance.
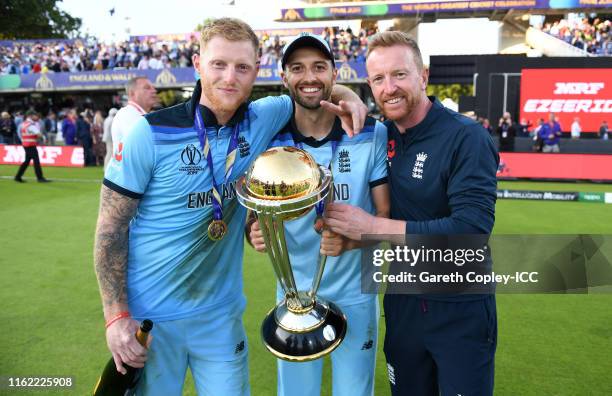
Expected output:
(359, 170)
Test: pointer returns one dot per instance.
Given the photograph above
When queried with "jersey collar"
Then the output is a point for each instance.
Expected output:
(336, 133)
(137, 107)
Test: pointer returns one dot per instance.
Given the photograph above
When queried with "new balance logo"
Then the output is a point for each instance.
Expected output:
(367, 345)
(239, 347)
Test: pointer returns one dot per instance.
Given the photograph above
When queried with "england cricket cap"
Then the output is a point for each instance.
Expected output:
(307, 40)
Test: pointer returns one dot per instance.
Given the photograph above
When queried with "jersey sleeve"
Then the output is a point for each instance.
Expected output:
(274, 112)
(378, 175)
(132, 163)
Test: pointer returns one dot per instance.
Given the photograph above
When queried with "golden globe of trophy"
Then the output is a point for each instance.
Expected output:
(285, 183)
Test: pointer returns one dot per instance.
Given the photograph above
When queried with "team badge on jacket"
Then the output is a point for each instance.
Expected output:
(417, 170)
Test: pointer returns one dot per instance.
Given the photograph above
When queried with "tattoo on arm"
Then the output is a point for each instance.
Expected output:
(111, 246)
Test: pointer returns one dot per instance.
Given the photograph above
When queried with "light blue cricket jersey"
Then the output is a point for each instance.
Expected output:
(174, 270)
(360, 163)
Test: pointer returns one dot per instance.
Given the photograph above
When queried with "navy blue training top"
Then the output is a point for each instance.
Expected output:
(442, 174)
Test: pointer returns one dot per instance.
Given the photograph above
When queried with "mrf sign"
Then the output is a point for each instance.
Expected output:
(568, 93)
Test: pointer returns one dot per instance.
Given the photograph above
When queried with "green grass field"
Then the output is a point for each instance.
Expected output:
(51, 323)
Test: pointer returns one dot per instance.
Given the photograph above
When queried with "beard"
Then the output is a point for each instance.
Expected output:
(310, 104)
(221, 104)
(410, 103)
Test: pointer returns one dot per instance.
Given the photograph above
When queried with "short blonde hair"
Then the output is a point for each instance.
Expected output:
(231, 29)
(391, 38)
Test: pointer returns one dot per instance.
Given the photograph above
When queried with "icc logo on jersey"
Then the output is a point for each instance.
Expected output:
(191, 157)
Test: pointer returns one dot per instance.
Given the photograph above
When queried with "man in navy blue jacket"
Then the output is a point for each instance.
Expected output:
(442, 178)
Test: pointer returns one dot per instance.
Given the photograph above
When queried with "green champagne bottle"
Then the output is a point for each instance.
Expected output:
(112, 382)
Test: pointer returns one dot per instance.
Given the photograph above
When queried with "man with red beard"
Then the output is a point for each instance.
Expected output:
(442, 178)
(169, 235)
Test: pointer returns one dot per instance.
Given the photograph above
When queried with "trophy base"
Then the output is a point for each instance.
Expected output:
(300, 337)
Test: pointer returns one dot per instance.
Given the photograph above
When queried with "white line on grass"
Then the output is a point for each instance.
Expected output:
(55, 179)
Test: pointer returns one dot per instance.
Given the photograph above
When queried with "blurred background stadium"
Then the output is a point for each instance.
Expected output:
(527, 58)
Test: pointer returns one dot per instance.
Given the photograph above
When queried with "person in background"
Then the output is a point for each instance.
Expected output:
(84, 136)
(51, 128)
(576, 129)
(30, 133)
(18, 119)
(523, 128)
(99, 148)
(506, 132)
(7, 128)
(603, 130)
(69, 130)
(550, 133)
(107, 136)
(486, 124)
(538, 142)
(142, 97)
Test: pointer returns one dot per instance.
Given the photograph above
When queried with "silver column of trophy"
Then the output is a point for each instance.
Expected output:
(285, 183)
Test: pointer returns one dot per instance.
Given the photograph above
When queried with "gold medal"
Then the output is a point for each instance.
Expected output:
(217, 230)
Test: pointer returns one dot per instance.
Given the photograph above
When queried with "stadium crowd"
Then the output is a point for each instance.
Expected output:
(24, 57)
(593, 37)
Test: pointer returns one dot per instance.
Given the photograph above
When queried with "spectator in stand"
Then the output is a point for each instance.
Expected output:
(603, 130)
(97, 130)
(7, 129)
(592, 37)
(51, 128)
(576, 129)
(107, 136)
(30, 133)
(506, 132)
(144, 62)
(69, 131)
(550, 133)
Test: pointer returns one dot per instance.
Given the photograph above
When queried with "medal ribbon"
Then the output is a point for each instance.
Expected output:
(229, 161)
(320, 206)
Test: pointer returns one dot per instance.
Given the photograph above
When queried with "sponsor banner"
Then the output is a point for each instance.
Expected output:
(116, 79)
(591, 197)
(608, 198)
(555, 166)
(538, 195)
(569, 93)
(384, 9)
(49, 155)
